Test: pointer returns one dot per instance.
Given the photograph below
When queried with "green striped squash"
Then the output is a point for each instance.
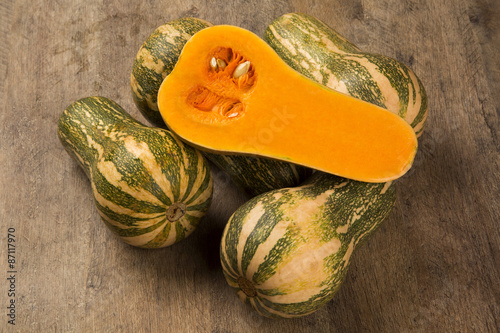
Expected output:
(155, 60)
(315, 50)
(149, 188)
(287, 251)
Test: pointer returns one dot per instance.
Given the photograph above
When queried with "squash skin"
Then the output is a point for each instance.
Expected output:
(141, 177)
(293, 246)
(257, 175)
(156, 59)
(328, 58)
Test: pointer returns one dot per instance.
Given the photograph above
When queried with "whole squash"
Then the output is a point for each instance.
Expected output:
(286, 252)
(149, 188)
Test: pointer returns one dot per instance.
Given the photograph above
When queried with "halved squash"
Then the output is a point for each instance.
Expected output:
(231, 93)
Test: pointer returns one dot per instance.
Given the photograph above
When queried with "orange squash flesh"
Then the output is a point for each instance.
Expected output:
(275, 112)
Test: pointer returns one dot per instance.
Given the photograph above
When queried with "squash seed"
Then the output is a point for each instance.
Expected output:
(213, 63)
(221, 63)
(241, 69)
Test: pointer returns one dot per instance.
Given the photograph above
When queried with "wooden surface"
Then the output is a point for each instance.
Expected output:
(432, 267)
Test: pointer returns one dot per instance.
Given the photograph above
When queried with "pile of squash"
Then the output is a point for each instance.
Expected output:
(311, 127)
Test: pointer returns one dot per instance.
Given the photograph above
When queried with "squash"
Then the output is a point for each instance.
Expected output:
(149, 188)
(154, 61)
(231, 93)
(315, 50)
(286, 252)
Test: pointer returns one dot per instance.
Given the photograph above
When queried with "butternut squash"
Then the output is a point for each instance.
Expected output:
(231, 93)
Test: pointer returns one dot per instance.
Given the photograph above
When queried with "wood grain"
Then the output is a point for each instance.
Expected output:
(432, 267)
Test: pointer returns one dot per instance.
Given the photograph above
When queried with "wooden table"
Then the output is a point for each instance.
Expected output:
(432, 267)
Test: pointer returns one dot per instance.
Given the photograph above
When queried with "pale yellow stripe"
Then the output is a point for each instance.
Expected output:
(183, 177)
(356, 215)
(331, 46)
(141, 150)
(223, 250)
(114, 177)
(303, 272)
(285, 42)
(152, 104)
(139, 224)
(171, 235)
(156, 65)
(281, 314)
(136, 88)
(248, 226)
(334, 83)
(264, 248)
(304, 214)
(80, 159)
(253, 300)
(411, 112)
(110, 172)
(232, 284)
(188, 228)
(170, 33)
(415, 103)
(303, 267)
(349, 251)
(420, 126)
(205, 194)
(144, 239)
(200, 177)
(149, 61)
(302, 295)
(391, 97)
(386, 187)
(195, 213)
(117, 208)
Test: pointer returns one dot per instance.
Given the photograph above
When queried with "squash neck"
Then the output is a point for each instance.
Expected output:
(88, 127)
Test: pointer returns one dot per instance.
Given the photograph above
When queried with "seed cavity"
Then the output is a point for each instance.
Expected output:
(241, 69)
(230, 77)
